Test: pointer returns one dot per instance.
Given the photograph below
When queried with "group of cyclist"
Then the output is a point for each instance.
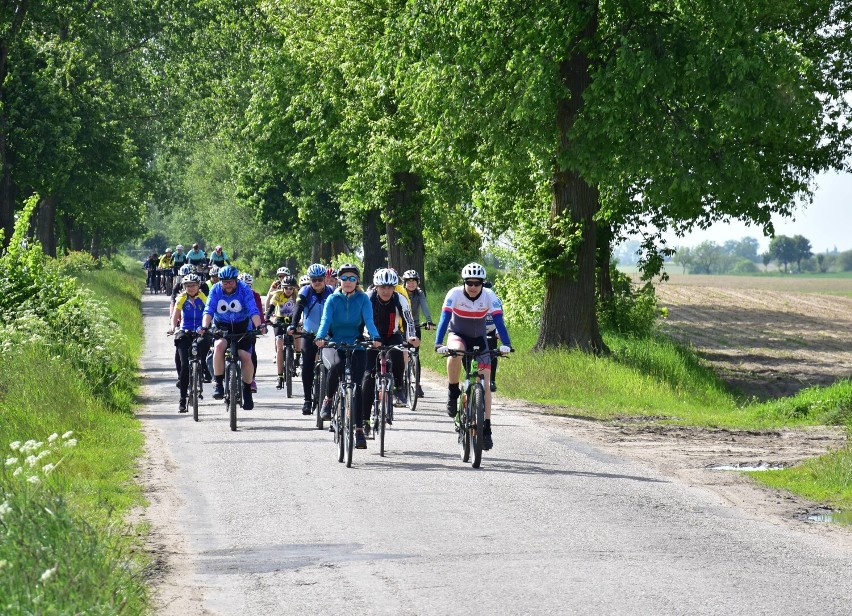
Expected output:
(327, 305)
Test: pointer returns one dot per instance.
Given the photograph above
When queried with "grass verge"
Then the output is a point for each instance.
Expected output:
(64, 547)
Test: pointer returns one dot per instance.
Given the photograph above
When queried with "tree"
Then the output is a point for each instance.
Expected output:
(632, 113)
(746, 248)
(802, 247)
(784, 250)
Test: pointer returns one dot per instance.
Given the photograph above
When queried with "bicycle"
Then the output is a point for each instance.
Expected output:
(289, 351)
(343, 403)
(233, 371)
(196, 372)
(383, 393)
(320, 379)
(166, 280)
(470, 419)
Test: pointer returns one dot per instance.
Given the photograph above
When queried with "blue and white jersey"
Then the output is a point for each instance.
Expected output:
(467, 316)
(234, 308)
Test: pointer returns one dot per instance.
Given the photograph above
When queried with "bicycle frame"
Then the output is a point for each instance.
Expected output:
(233, 372)
(344, 398)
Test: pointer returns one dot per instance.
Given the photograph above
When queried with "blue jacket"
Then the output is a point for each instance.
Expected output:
(309, 306)
(344, 315)
(234, 308)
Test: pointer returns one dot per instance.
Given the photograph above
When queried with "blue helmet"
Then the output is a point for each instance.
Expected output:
(317, 270)
(229, 272)
(186, 269)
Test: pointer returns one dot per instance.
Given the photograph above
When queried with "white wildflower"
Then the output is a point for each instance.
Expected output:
(47, 574)
(11, 461)
(70, 443)
(33, 479)
(47, 468)
(5, 508)
(68, 434)
(3, 564)
(31, 460)
(43, 453)
(15, 446)
(18, 471)
(52, 437)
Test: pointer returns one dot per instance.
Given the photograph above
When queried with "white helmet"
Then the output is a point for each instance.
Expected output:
(385, 276)
(246, 278)
(282, 271)
(304, 280)
(179, 247)
(473, 270)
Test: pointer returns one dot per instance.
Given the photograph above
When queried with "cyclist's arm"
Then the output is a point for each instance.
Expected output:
(407, 318)
(501, 328)
(446, 313)
(424, 306)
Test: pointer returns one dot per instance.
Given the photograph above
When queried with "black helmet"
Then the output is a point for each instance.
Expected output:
(349, 268)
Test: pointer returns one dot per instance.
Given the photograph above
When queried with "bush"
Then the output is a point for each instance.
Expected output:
(631, 311)
(523, 297)
(844, 261)
(744, 266)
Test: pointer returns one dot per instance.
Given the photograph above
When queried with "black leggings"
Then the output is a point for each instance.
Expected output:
(335, 360)
(397, 367)
(182, 346)
(492, 344)
(309, 356)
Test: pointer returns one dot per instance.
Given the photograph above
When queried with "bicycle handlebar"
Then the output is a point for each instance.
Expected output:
(491, 352)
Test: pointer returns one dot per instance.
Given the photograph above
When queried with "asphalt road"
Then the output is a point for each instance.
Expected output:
(268, 522)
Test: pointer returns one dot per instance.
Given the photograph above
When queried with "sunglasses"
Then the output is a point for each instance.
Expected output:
(287, 287)
(349, 279)
(473, 283)
(317, 279)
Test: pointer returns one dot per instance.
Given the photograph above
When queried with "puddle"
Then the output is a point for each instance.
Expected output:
(748, 466)
(827, 516)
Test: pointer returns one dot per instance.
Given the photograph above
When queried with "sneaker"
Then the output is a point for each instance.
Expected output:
(177, 383)
(420, 393)
(487, 443)
(389, 418)
(452, 405)
(182, 405)
(208, 378)
(306, 407)
(360, 440)
(248, 402)
(253, 387)
(493, 386)
(326, 408)
(218, 391)
(399, 397)
(280, 384)
(367, 429)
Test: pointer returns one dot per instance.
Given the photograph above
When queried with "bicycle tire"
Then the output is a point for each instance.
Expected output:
(193, 393)
(387, 402)
(350, 427)
(411, 381)
(477, 416)
(235, 382)
(464, 433)
(338, 427)
(288, 369)
(316, 395)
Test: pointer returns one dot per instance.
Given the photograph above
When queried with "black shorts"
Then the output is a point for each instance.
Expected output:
(240, 327)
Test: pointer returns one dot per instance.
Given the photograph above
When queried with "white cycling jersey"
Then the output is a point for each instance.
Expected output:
(468, 315)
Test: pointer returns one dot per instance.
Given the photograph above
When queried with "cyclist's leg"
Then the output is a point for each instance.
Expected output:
(279, 350)
(247, 366)
(484, 365)
(219, 358)
(182, 346)
(359, 363)
(454, 365)
(368, 383)
(309, 354)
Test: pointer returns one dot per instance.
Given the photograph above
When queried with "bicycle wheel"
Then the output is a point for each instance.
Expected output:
(349, 424)
(464, 433)
(386, 405)
(411, 379)
(235, 383)
(195, 385)
(316, 394)
(339, 413)
(288, 369)
(477, 417)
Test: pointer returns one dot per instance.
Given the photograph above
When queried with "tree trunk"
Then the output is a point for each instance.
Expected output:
(375, 255)
(569, 317)
(96, 244)
(403, 224)
(46, 227)
(74, 234)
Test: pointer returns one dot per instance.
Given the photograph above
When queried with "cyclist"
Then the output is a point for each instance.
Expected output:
(232, 302)
(465, 310)
(196, 256)
(219, 258)
(390, 310)
(345, 313)
(280, 274)
(305, 280)
(188, 312)
(247, 278)
(280, 308)
(165, 268)
(150, 266)
(417, 299)
(178, 258)
(214, 275)
(331, 277)
(309, 307)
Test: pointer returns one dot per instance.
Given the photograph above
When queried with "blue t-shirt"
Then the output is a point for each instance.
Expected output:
(234, 308)
(312, 306)
(344, 315)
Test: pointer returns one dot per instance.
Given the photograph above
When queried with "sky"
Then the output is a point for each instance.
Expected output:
(827, 222)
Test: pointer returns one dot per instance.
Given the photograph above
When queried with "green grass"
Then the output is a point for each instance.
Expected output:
(69, 528)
